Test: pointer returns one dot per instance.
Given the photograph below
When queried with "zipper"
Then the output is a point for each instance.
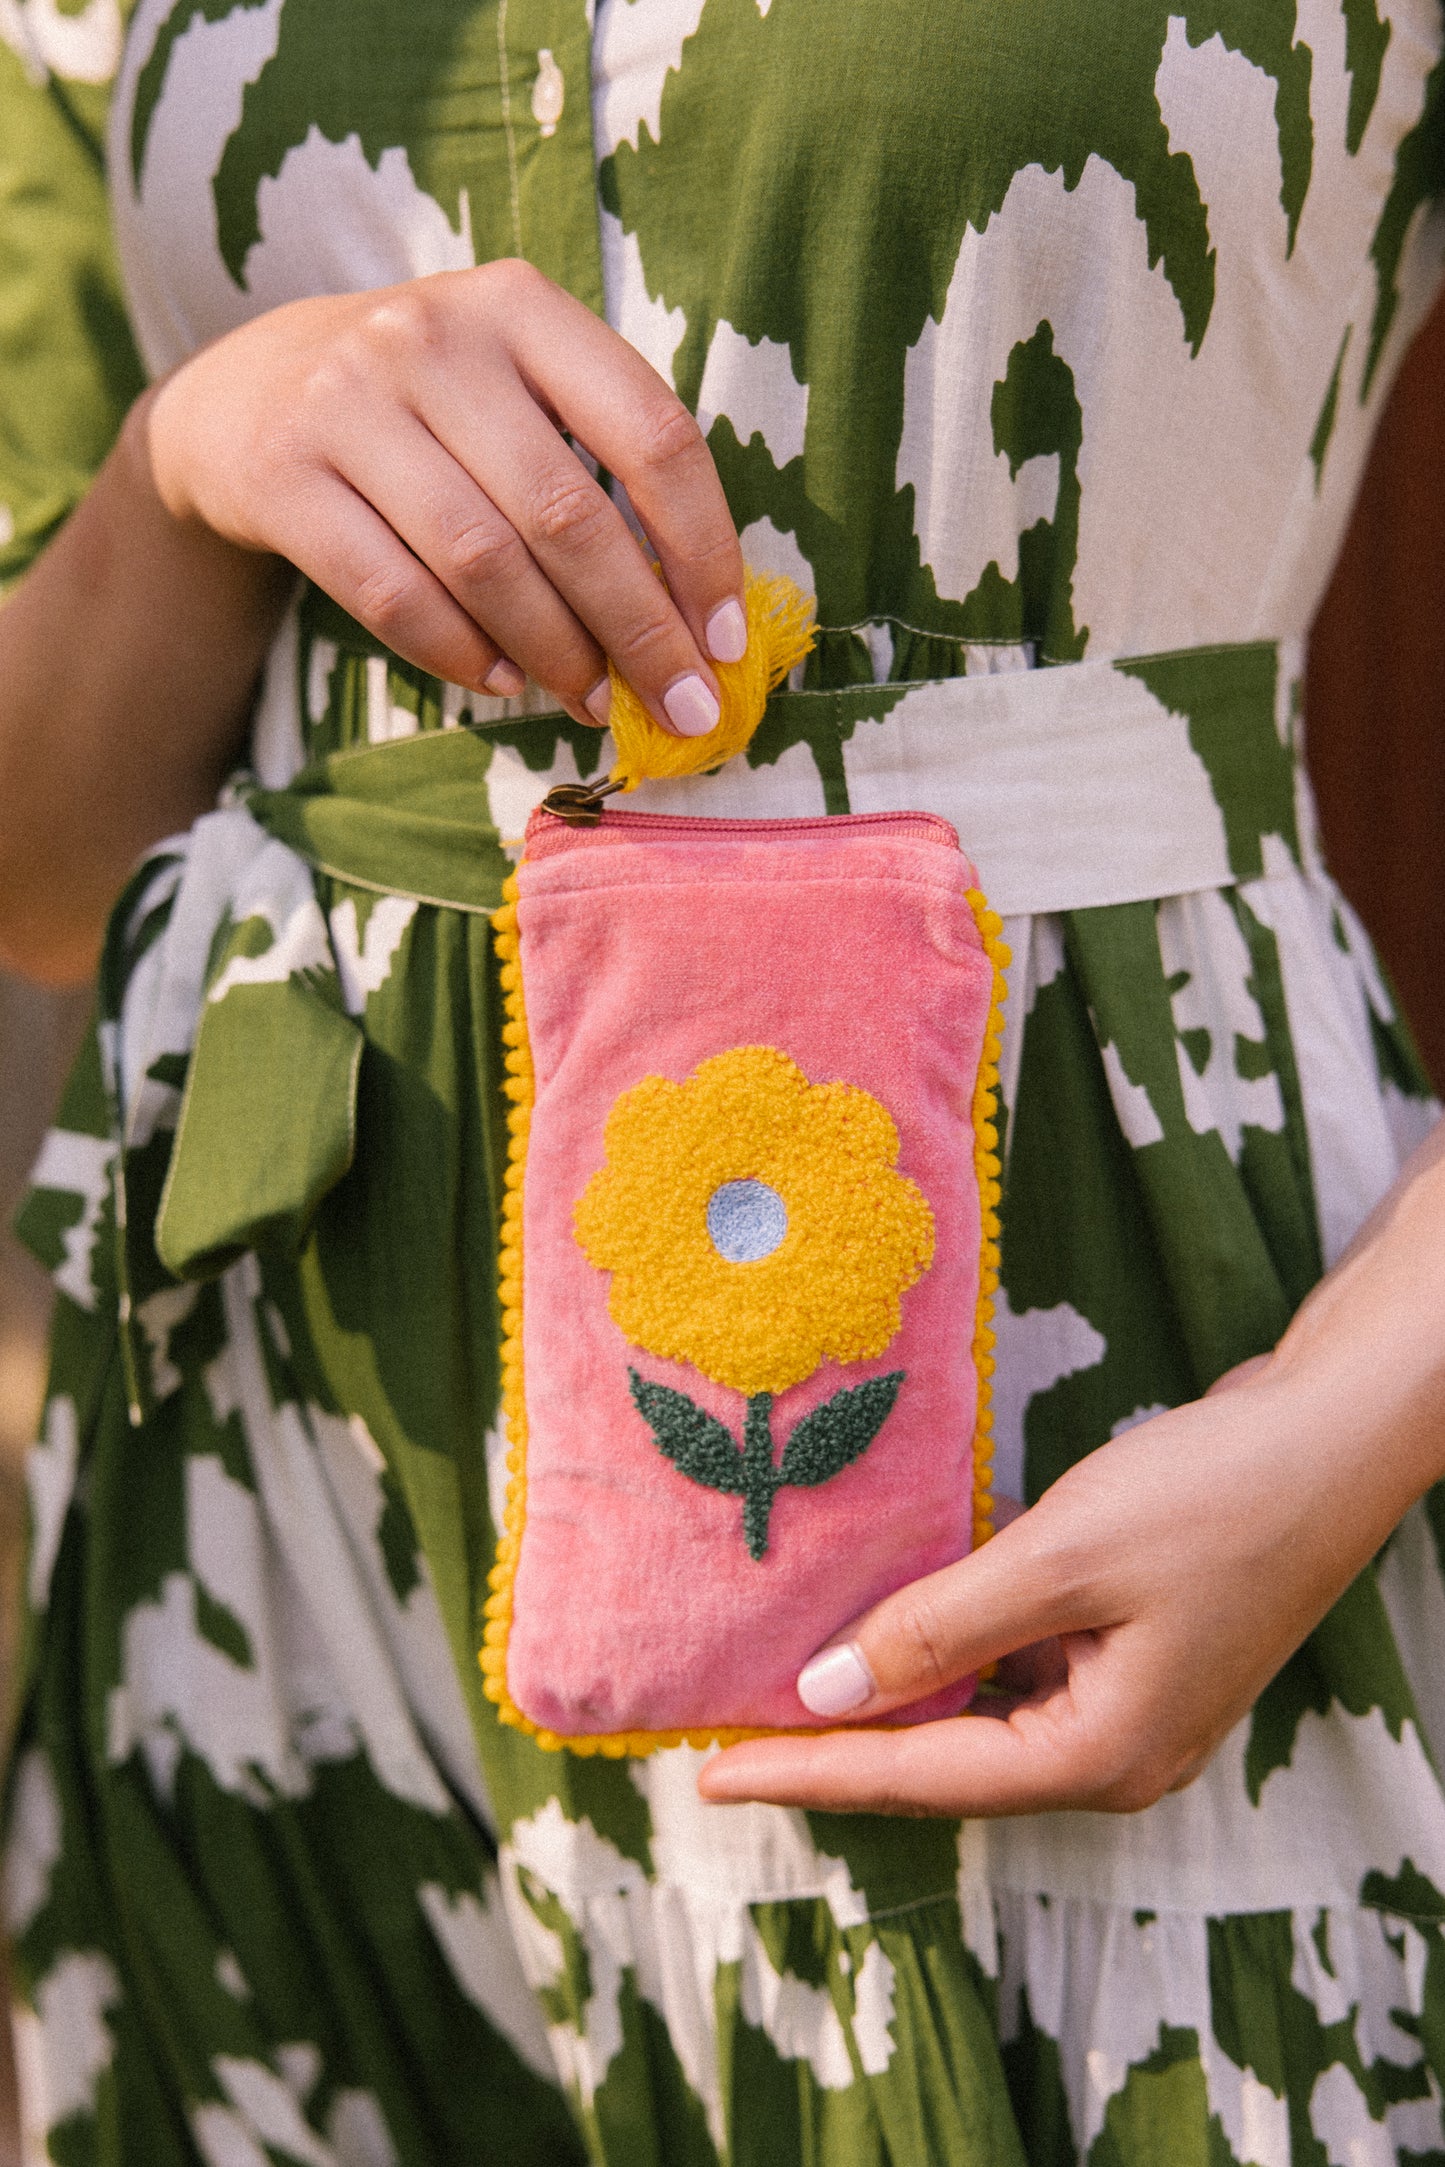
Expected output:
(578, 805)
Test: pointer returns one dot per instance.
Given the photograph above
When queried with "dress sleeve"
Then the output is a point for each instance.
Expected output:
(68, 364)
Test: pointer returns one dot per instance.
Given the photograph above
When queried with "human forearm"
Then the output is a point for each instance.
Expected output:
(1368, 1345)
(1146, 1600)
(416, 453)
(127, 659)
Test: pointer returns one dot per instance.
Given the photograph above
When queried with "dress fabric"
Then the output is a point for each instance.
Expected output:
(1042, 340)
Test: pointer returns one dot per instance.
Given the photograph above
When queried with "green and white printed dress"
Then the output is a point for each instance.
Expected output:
(1042, 340)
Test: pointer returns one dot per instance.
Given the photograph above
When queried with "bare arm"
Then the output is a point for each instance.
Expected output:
(414, 452)
(127, 658)
(1161, 1583)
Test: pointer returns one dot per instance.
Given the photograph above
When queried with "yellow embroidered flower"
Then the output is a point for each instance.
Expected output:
(754, 1224)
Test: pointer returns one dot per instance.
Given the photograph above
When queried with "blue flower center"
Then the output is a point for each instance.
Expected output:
(746, 1221)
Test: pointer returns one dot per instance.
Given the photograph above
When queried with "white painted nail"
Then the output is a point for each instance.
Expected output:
(836, 1682)
(505, 679)
(691, 708)
(598, 702)
(727, 633)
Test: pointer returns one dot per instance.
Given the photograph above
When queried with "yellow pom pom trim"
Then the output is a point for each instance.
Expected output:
(988, 1168)
(781, 632)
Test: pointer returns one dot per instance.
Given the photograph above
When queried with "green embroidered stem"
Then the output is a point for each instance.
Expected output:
(822, 1445)
(761, 1481)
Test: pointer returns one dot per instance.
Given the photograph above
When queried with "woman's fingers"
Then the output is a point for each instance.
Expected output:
(477, 554)
(571, 529)
(442, 403)
(1177, 1565)
(1094, 1733)
(617, 405)
(1040, 1758)
(583, 544)
(354, 554)
(1007, 1595)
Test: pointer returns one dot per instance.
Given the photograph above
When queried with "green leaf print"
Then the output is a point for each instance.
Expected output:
(1419, 163)
(396, 1538)
(1366, 39)
(421, 60)
(1325, 426)
(218, 1624)
(1231, 719)
(565, 2002)
(538, 738)
(45, 1219)
(410, 79)
(1032, 2064)
(1035, 411)
(824, 727)
(151, 81)
(1350, 1659)
(644, 2053)
(66, 348)
(1003, 89)
(1161, 2111)
(1265, 2022)
(1409, 1893)
(800, 1941)
(1089, 1243)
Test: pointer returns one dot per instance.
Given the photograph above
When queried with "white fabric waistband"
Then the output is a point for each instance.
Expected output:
(1084, 784)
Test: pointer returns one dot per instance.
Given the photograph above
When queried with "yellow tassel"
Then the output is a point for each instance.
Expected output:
(780, 633)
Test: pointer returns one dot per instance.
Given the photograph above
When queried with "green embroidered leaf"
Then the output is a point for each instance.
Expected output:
(839, 1431)
(761, 1480)
(824, 1443)
(698, 1445)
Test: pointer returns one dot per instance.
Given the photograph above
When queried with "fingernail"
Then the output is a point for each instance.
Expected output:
(598, 702)
(727, 633)
(505, 679)
(691, 708)
(836, 1682)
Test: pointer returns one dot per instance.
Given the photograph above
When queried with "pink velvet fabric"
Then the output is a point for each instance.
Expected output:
(648, 944)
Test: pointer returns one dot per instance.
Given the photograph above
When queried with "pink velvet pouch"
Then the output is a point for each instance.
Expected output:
(748, 1254)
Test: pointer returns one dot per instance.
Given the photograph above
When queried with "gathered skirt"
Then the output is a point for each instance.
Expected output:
(280, 1887)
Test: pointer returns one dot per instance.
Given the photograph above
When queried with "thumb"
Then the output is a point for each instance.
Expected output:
(930, 1634)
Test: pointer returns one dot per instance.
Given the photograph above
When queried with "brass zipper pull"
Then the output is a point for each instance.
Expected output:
(579, 804)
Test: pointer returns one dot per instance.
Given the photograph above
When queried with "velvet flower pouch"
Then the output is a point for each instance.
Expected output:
(748, 1256)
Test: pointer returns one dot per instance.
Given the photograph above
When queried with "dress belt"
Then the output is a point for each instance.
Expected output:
(1070, 786)
(1086, 784)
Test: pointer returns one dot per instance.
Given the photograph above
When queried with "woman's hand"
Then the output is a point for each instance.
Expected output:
(1141, 1606)
(1149, 1596)
(409, 451)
